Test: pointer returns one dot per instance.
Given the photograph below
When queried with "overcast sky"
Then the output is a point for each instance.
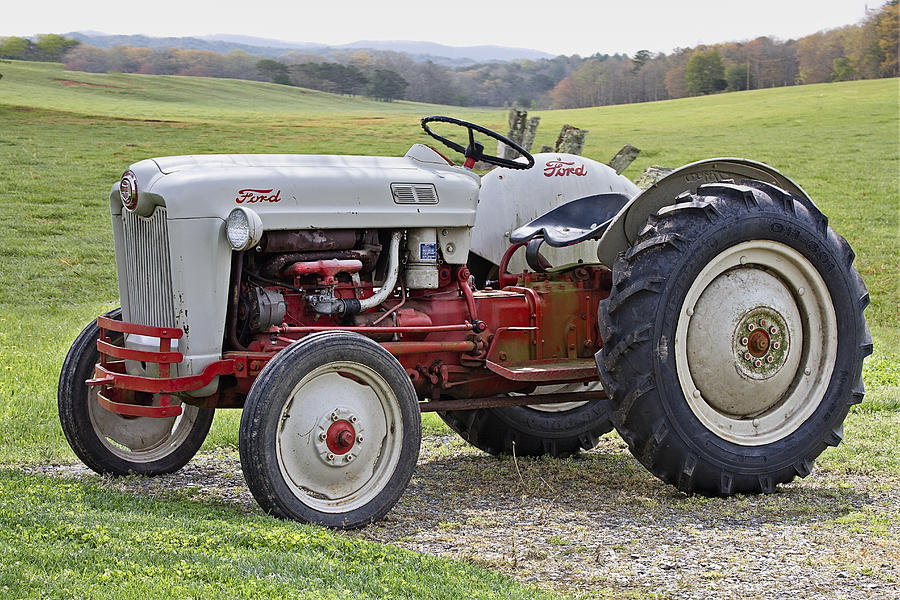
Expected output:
(556, 26)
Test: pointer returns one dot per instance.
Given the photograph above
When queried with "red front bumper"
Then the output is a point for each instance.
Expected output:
(117, 387)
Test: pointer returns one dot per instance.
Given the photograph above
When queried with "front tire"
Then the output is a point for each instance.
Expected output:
(115, 444)
(733, 339)
(330, 432)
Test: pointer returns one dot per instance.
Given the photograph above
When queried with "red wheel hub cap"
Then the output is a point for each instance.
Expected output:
(340, 437)
(758, 343)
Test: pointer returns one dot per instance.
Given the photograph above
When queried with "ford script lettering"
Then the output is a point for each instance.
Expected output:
(559, 168)
(250, 196)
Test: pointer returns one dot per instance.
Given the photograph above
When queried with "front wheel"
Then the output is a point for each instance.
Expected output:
(330, 432)
(115, 444)
(733, 339)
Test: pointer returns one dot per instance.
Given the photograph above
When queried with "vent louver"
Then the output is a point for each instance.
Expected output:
(414, 193)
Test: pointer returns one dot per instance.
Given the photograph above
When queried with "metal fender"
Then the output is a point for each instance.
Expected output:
(625, 226)
(510, 199)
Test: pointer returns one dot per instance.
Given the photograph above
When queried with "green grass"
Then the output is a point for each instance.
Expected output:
(76, 540)
(61, 148)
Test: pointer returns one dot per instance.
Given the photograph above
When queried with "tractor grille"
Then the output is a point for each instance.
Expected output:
(148, 271)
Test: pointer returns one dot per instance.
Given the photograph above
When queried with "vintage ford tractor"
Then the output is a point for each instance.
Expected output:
(715, 320)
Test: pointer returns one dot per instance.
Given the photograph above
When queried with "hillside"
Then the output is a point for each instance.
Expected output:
(419, 51)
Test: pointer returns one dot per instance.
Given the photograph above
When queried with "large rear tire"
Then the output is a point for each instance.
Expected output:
(330, 432)
(116, 444)
(543, 429)
(734, 339)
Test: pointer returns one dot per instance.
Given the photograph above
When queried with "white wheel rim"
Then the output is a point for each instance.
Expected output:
(756, 391)
(359, 398)
(141, 439)
(564, 388)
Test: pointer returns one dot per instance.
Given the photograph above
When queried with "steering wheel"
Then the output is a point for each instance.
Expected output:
(475, 150)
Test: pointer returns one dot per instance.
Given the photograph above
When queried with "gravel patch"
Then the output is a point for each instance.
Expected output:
(598, 524)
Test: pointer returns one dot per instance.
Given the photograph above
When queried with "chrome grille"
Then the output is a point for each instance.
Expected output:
(148, 270)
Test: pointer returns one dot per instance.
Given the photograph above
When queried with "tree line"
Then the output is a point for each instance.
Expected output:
(47, 47)
(866, 50)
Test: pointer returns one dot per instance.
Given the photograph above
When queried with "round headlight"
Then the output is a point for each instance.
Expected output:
(243, 228)
(128, 190)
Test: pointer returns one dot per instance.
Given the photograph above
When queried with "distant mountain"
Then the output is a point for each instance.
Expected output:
(223, 43)
(476, 54)
(102, 40)
(249, 40)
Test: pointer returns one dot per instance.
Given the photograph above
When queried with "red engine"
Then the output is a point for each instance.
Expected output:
(514, 334)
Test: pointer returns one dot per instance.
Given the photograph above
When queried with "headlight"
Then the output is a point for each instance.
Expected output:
(128, 190)
(243, 228)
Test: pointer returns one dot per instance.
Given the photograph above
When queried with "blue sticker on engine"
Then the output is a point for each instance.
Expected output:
(427, 251)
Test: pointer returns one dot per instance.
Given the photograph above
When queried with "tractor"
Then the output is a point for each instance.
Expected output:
(714, 320)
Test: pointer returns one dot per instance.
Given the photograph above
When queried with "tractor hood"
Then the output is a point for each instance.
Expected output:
(294, 191)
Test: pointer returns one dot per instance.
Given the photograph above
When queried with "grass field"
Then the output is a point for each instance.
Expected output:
(65, 137)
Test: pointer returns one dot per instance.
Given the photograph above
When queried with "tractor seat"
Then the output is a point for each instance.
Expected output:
(572, 222)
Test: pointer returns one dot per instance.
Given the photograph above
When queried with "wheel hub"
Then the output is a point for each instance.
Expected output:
(339, 437)
(753, 348)
(760, 342)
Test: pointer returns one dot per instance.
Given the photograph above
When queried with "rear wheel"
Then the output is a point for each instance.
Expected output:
(330, 432)
(116, 444)
(535, 430)
(733, 339)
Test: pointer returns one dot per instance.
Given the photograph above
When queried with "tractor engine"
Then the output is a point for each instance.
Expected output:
(301, 277)
(454, 341)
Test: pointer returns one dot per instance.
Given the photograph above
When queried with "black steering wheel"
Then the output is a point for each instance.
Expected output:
(475, 150)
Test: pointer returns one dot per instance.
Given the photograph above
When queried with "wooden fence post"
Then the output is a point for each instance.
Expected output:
(570, 140)
(521, 130)
(623, 158)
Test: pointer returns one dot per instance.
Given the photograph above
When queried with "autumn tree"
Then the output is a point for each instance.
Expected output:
(888, 31)
(816, 54)
(89, 59)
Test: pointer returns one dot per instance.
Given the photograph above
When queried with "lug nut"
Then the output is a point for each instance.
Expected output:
(334, 416)
(750, 326)
(330, 456)
(744, 341)
(762, 322)
(776, 345)
(758, 363)
(322, 436)
(359, 438)
(348, 458)
(352, 418)
(747, 356)
(770, 358)
(773, 330)
(345, 439)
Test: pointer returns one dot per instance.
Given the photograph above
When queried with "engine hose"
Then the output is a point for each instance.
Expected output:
(390, 277)
(237, 263)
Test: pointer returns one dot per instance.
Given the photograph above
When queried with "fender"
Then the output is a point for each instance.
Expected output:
(626, 225)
